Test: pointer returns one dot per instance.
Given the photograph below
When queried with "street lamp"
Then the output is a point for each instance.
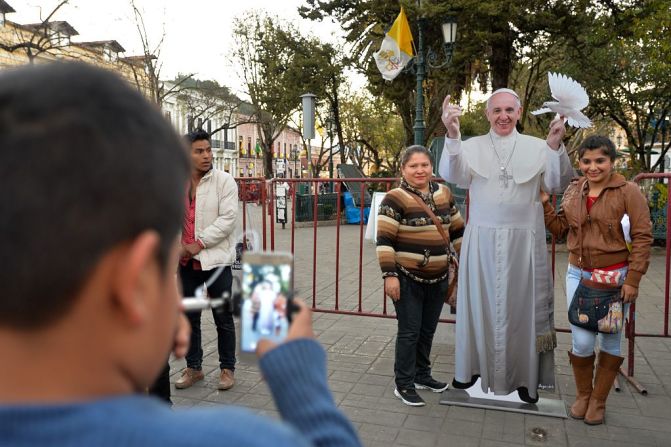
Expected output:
(449, 29)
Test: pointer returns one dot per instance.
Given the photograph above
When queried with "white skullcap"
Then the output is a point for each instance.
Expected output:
(505, 90)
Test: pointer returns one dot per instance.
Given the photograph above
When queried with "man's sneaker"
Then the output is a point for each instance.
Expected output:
(431, 384)
(189, 377)
(410, 397)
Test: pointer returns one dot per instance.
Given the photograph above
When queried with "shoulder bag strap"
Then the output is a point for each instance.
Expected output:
(433, 217)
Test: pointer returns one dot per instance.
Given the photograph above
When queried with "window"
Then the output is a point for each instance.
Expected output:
(285, 150)
(241, 146)
(57, 39)
(249, 145)
(108, 54)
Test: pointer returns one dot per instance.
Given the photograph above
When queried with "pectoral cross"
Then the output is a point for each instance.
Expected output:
(504, 177)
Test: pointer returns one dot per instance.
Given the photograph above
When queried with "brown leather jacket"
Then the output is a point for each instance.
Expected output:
(603, 242)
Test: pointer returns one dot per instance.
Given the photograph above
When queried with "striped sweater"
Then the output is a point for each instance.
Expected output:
(407, 239)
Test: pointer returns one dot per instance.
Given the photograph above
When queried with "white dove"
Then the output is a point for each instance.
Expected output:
(571, 99)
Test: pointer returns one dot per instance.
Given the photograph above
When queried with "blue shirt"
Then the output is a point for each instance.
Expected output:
(296, 375)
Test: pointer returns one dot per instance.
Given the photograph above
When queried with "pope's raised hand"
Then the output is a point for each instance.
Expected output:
(450, 117)
(556, 133)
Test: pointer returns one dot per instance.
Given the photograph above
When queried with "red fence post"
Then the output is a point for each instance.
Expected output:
(264, 205)
(666, 176)
(314, 245)
(361, 201)
(270, 186)
(337, 272)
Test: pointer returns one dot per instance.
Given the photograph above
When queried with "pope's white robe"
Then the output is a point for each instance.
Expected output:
(505, 331)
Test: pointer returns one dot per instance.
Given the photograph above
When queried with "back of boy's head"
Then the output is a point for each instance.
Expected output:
(86, 164)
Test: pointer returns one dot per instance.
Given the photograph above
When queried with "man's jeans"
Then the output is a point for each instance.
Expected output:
(191, 280)
(417, 313)
(584, 340)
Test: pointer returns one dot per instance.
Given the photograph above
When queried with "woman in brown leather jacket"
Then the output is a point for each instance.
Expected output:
(591, 214)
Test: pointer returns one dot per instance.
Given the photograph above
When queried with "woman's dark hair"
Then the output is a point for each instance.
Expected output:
(598, 142)
(409, 151)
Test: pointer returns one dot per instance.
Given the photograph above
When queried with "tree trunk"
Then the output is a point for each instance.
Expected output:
(502, 55)
(268, 163)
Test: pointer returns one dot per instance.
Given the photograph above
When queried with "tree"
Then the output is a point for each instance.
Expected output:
(206, 100)
(273, 81)
(146, 68)
(373, 132)
(628, 48)
(493, 35)
(278, 65)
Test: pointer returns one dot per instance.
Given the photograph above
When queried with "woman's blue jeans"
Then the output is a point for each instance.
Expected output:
(584, 340)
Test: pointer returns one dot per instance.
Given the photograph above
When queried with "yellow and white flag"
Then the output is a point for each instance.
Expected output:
(396, 49)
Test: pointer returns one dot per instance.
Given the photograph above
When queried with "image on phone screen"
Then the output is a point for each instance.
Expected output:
(265, 288)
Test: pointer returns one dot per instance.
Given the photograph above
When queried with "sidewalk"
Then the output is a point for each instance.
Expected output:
(361, 350)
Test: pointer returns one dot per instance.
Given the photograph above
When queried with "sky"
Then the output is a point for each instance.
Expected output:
(198, 33)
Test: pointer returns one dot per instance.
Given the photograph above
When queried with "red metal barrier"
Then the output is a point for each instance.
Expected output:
(262, 192)
(666, 176)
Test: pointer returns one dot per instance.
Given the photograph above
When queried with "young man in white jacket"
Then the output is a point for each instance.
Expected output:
(211, 204)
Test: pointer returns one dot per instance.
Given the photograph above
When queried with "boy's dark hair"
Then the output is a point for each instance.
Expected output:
(197, 135)
(598, 142)
(86, 163)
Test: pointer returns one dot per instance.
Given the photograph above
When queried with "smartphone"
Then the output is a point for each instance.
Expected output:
(266, 293)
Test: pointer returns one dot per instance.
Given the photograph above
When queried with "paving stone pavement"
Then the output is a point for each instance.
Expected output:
(361, 350)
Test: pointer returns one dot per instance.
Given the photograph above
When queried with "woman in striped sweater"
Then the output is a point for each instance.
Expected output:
(414, 262)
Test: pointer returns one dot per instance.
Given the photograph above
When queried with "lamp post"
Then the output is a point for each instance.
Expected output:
(449, 30)
(330, 121)
(309, 100)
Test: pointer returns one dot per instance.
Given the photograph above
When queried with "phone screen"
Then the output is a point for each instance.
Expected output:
(266, 289)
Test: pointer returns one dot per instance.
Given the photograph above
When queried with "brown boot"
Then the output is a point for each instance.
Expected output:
(583, 371)
(606, 371)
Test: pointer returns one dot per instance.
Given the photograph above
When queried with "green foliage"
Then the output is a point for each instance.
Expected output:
(619, 50)
(492, 36)
(373, 132)
(278, 64)
(474, 122)
(629, 53)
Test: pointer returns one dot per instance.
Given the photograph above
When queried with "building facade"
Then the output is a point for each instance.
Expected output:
(47, 41)
(188, 109)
